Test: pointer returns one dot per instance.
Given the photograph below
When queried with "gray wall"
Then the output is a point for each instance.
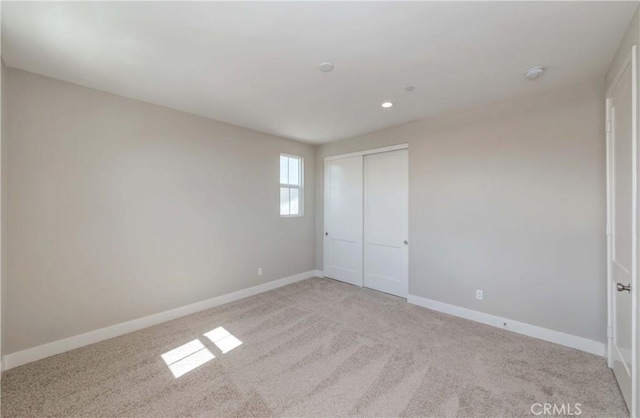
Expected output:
(117, 209)
(508, 198)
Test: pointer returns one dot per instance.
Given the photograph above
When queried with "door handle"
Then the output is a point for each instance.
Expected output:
(622, 288)
(406, 242)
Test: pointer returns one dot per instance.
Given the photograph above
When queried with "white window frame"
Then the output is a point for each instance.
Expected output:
(300, 188)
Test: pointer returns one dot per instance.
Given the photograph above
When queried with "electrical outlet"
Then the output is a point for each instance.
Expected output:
(259, 271)
(479, 294)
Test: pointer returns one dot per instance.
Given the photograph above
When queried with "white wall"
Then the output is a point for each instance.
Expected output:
(117, 209)
(508, 198)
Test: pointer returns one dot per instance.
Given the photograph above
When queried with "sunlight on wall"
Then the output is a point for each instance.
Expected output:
(183, 359)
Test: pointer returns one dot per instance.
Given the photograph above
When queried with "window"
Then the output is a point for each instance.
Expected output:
(290, 185)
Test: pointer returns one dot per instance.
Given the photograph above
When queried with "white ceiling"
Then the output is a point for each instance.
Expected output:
(255, 64)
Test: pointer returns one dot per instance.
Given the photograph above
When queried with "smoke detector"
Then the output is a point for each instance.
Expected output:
(534, 72)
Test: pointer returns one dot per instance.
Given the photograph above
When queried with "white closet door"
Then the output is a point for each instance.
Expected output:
(386, 224)
(343, 220)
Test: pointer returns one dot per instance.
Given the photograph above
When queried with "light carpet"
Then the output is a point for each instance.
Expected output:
(314, 348)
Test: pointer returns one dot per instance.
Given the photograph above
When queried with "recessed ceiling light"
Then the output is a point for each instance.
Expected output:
(534, 72)
(387, 105)
(409, 89)
(325, 67)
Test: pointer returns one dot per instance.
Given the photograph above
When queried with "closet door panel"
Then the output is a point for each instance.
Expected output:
(343, 188)
(386, 224)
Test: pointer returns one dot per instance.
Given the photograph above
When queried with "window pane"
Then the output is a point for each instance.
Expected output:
(284, 201)
(294, 171)
(284, 169)
(295, 205)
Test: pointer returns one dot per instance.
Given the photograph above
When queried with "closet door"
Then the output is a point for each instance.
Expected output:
(386, 223)
(343, 219)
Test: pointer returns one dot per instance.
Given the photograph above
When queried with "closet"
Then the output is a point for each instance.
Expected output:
(366, 221)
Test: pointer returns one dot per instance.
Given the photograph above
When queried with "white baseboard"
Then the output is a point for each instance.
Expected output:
(29, 355)
(319, 273)
(568, 340)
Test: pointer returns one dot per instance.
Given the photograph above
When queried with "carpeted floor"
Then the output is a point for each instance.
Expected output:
(314, 348)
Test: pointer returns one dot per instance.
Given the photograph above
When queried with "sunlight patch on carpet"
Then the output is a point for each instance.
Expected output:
(189, 356)
(223, 339)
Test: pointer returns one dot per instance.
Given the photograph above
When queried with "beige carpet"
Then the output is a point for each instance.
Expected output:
(314, 348)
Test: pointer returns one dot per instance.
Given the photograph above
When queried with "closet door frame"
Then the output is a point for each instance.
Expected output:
(350, 155)
(367, 152)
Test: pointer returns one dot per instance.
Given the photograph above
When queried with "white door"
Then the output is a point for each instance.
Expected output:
(343, 219)
(386, 223)
(622, 208)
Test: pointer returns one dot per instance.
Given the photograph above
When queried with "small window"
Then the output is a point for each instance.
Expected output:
(290, 185)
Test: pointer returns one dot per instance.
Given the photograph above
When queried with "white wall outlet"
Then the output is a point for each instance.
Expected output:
(479, 294)
(259, 271)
